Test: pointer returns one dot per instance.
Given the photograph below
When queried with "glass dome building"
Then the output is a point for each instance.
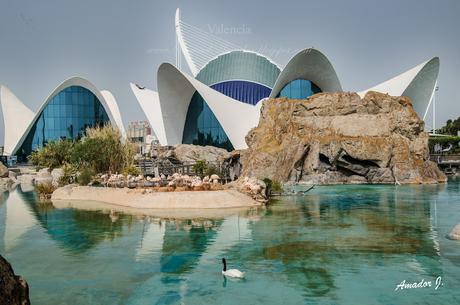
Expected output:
(72, 107)
(219, 103)
(245, 76)
(66, 116)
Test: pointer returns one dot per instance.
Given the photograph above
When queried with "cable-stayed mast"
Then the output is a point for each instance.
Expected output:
(198, 46)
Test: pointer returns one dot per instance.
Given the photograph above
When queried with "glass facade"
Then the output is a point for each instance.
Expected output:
(202, 127)
(299, 89)
(243, 91)
(66, 116)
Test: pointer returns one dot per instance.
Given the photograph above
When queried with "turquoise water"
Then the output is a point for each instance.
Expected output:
(337, 245)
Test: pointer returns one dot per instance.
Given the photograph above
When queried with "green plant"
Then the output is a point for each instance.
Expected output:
(212, 170)
(101, 150)
(277, 186)
(85, 176)
(272, 186)
(54, 154)
(69, 175)
(444, 142)
(104, 151)
(45, 189)
(451, 128)
(268, 186)
(200, 167)
(131, 170)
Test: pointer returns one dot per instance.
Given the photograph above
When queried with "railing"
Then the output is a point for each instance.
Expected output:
(149, 168)
(445, 159)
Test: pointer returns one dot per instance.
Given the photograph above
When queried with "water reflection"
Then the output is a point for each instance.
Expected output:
(302, 248)
(184, 242)
(74, 230)
(334, 225)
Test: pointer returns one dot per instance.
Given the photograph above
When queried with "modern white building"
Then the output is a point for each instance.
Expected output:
(72, 107)
(216, 105)
(220, 102)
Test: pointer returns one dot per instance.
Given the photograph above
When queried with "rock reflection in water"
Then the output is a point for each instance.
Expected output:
(324, 248)
(333, 226)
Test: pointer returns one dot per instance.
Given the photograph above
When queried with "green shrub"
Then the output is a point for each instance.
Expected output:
(212, 170)
(444, 142)
(272, 186)
(101, 150)
(451, 128)
(70, 174)
(85, 176)
(131, 170)
(54, 154)
(277, 186)
(200, 167)
(45, 189)
(104, 151)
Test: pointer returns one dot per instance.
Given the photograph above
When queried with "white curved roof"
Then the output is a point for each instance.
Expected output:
(418, 84)
(175, 91)
(16, 118)
(13, 107)
(312, 65)
(114, 110)
(150, 104)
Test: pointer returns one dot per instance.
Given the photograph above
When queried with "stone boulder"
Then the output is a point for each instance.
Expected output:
(187, 153)
(13, 289)
(251, 186)
(26, 179)
(3, 171)
(455, 233)
(12, 175)
(56, 175)
(6, 183)
(43, 177)
(338, 138)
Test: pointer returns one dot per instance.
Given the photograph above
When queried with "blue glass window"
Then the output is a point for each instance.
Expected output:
(243, 91)
(299, 89)
(66, 116)
(202, 127)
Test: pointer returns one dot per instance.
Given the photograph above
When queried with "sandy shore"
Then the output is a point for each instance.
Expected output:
(136, 199)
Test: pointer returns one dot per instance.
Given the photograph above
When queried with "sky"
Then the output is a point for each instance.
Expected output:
(114, 42)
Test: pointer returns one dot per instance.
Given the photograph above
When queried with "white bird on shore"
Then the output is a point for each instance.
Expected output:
(231, 272)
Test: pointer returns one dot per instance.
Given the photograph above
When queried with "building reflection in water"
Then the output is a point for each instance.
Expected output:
(305, 238)
(74, 230)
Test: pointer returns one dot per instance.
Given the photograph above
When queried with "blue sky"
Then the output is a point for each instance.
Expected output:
(114, 42)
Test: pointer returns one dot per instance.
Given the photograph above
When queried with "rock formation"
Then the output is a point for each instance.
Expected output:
(13, 289)
(7, 178)
(334, 138)
(3, 171)
(192, 153)
(43, 177)
(455, 233)
(188, 153)
(252, 187)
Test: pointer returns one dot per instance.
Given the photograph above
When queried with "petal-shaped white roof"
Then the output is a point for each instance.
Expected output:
(175, 90)
(150, 104)
(114, 110)
(309, 64)
(418, 84)
(16, 117)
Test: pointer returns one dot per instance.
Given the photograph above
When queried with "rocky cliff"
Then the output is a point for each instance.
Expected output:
(334, 138)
